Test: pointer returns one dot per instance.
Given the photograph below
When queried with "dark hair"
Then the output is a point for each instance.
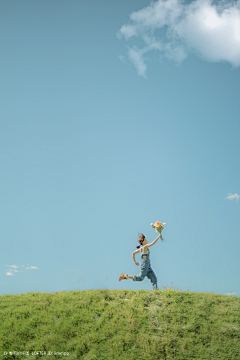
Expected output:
(141, 238)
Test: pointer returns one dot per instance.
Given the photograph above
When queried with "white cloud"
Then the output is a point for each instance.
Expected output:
(32, 267)
(232, 196)
(9, 273)
(210, 30)
(231, 294)
(13, 266)
(136, 56)
(14, 270)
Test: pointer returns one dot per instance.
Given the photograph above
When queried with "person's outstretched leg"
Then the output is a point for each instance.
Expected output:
(143, 272)
(152, 277)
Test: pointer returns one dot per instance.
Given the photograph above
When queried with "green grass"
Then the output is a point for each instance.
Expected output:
(120, 324)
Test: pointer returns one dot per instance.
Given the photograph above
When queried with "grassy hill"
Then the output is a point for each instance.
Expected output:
(120, 324)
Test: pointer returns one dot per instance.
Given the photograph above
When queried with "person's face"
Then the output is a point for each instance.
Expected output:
(144, 242)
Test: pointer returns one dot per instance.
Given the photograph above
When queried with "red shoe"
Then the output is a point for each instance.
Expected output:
(122, 276)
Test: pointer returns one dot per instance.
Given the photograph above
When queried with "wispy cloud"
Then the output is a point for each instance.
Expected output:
(32, 268)
(210, 30)
(231, 294)
(10, 273)
(136, 56)
(122, 58)
(232, 196)
(13, 266)
(13, 269)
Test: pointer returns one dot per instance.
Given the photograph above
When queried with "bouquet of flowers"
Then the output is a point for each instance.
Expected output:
(158, 226)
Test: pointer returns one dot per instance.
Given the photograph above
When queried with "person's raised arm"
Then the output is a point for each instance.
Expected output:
(154, 241)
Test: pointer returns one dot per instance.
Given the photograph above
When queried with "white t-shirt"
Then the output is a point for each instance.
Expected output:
(147, 252)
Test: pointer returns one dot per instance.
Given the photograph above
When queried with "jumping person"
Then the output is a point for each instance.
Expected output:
(146, 269)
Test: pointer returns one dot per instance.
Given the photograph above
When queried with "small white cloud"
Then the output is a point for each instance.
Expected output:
(13, 266)
(231, 294)
(14, 270)
(32, 267)
(232, 196)
(9, 273)
(128, 31)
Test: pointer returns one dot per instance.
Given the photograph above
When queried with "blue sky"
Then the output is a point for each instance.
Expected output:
(114, 115)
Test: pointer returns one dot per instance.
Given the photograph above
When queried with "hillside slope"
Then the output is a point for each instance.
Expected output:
(120, 324)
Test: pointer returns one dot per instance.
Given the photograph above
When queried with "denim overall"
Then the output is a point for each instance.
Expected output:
(146, 270)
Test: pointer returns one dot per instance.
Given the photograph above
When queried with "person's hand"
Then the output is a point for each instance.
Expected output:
(136, 263)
